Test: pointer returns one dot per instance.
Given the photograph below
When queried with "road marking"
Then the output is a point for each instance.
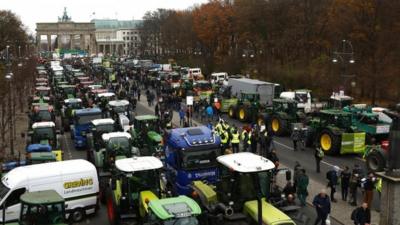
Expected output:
(291, 148)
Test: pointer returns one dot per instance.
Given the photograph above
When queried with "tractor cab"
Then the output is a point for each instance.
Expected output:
(41, 113)
(180, 210)
(190, 155)
(98, 128)
(41, 207)
(135, 182)
(119, 107)
(44, 133)
(146, 134)
(42, 91)
(68, 107)
(102, 99)
(243, 185)
(174, 80)
(81, 124)
(336, 118)
(40, 100)
(339, 100)
(202, 89)
(67, 91)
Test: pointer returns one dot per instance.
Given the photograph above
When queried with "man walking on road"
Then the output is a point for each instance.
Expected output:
(302, 185)
(295, 138)
(181, 117)
(369, 187)
(319, 155)
(354, 182)
(332, 177)
(361, 215)
(345, 182)
(322, 205)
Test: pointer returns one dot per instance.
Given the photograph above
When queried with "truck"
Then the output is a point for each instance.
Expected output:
(267, 91)
(218, 78)
(75, 180)
(190, 155)
(81, 125)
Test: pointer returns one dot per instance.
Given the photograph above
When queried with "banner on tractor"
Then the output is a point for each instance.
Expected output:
(353, 143)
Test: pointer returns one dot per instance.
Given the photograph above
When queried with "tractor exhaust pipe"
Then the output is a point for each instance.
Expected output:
(226, 210)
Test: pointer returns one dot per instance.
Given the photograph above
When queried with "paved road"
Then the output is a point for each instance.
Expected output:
(285, 152)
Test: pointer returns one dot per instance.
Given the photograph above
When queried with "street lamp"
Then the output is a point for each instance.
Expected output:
(346, 56)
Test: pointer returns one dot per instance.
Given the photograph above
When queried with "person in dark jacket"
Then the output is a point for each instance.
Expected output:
(322, 205)
(345, 182)
(369, 187)
(333, 177)
(361, 215)
(289, 189)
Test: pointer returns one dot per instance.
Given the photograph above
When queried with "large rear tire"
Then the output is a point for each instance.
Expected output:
(232, 112)
(277, 125)
(375, 162)
(329, 142)
(112, 212)
(243, 114)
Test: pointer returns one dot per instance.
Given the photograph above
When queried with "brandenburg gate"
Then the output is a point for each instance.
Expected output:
(65, 27)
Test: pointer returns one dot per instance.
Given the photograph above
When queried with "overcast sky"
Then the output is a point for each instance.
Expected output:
(33, 11)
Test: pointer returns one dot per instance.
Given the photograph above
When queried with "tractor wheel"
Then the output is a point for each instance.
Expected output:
(375, 162)
(329, 142)
(277, 125)
(112, 211)
(243, 114)
(261, 119)
(232, 112)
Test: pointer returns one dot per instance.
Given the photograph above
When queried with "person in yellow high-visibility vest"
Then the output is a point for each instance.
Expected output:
(245, 139)
(235, 141)
(224, 141)
(378, 186)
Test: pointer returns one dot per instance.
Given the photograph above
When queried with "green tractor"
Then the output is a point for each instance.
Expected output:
(247, 107)
(281, 116)
(367, 121)
(334, 132)
(186, 86)
(45, 133)
(146, 135)
(223, 96)
(239, 195)
(134, 183)
(179, 210)
(68, 107)
(41, 207)
(94, 137)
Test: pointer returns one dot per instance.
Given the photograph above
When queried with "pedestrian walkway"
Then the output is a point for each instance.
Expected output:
(341, 210)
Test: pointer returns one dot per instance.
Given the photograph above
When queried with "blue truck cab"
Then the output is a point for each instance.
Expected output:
(82, 125)
(191, 155)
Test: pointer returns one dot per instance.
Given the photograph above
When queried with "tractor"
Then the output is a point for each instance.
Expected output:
(339, 100)
(202, 89)
(134, 183)
(190, 155)
(146, 135)
(180, 210)
(121, 112)
(82, 124)
(280, 117)
(41, 112)
(44, 133)
(223, 96)
(41, 207)
(68, 107)
(247, 107)
(94, 139)
(367, 121)
(240, 193)
(42, 91)
(334, 132)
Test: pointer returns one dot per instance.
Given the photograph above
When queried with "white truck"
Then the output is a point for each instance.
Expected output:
(267, 91)
(75, 180)
(218, 78)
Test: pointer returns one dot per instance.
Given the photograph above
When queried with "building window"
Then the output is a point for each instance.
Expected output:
(123, 32)
(135, 32)
(135, 38)
(135, 44)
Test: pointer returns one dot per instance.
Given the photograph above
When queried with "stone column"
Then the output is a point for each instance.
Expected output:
(48, 42)
(71, 41)
(59, 41)
(92, 44)
(390, 200)
(82, 42)
(38, 41)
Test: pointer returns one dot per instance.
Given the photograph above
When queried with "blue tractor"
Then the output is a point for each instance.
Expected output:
(81, 126)
(190, 155)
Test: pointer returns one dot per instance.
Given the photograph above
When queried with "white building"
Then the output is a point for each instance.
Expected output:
(120, 37)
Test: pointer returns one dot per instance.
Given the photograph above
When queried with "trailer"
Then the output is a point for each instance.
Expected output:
(267, 91)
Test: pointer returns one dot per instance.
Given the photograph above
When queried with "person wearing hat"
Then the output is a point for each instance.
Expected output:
(333, 177)
(322, 205)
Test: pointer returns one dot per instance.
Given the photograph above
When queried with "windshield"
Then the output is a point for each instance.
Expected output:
(84, 119)
(149, 125)
(3, 190)
(198, 159)
(43, 92)
(121, 143)
(182, 221)
(44, 115)
(44, 133)
(69, 91)
(145, 180)
(41, 214)
(301, 97)
(75, 105)
(121, 109)
(105, 128)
